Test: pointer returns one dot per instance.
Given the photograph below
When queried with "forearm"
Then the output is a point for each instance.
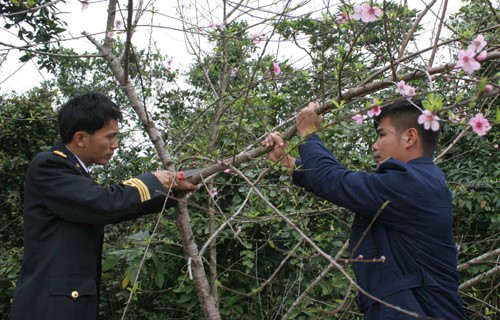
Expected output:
(289, 162)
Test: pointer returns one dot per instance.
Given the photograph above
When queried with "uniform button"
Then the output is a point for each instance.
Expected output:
(74, 294)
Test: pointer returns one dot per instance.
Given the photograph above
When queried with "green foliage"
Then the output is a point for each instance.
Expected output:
(27, 126)
(33, 26)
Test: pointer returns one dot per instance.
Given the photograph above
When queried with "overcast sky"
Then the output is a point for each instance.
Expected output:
(21, 77)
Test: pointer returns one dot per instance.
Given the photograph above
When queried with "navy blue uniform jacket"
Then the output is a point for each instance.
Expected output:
(414, 232)
(64, 216)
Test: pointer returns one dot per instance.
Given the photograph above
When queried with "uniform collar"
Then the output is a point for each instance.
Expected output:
(421, 160)
(80, 161)
(72, 157)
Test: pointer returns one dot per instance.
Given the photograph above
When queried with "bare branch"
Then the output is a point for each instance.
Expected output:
(413, 28)
(110, 23)
(438, 33)
(481, 259)
(126, 50)
(470, 283)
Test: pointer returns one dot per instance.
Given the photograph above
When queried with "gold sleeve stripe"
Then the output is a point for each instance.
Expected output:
(134, 182)
(141, 187)
(144, 189)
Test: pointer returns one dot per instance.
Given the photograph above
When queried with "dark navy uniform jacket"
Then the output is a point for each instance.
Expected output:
(64, 216)
(414, 232)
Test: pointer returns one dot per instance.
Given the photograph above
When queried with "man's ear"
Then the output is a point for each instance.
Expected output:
(411, 137)
(80, 138)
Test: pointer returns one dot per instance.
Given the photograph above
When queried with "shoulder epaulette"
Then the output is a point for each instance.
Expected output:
(60, 154)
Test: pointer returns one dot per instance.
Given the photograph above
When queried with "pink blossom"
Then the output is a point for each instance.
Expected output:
(110, 34)
(118, 24)
(375, 110)
(478, 44)
(234, 71)
(488, 88)
(347, 47)
(429, 120)
(350, 32)
(256, 39)
(358, 118)
(370, 14)
(401, 86)
(213, 192)
(276, 68)
(358, 11)
(85, 5)
(405, 89)
(366, 13)
(342, 17)
(467, 61)
(480, 124)
(169, 63)
(212, 25)
(409, 91)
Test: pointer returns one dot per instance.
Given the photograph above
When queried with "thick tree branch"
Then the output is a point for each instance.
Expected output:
(195, 262)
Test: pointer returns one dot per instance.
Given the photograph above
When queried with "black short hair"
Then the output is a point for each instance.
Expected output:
(404, 115)
(87, 112)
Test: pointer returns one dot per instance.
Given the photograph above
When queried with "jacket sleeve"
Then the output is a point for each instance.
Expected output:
(77, 198)
(320, 172)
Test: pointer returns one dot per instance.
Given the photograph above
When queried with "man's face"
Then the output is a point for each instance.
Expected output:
(390, 142)
(100, 146)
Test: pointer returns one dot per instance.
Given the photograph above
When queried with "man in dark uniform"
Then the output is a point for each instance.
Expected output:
(414, 232)
(65, 212)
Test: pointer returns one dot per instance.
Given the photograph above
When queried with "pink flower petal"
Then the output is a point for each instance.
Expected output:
(480, 124)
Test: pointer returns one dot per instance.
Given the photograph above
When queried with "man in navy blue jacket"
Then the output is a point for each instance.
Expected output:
(414, 232)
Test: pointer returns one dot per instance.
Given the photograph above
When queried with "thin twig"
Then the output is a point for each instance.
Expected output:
(438, 33)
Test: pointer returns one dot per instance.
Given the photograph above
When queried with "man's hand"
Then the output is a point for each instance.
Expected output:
(170, 181)
(275, 141)
(308, 121)
(184, 185)
(278, 153)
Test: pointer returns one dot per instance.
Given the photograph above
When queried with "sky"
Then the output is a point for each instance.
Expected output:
(92, 19)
